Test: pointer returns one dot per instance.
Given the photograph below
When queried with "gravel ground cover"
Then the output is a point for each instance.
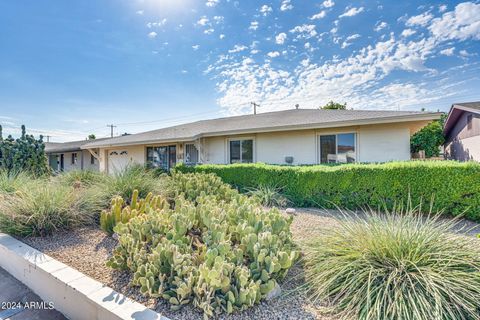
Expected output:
(88, 249)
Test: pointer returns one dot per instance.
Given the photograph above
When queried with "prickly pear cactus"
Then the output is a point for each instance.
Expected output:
(221, 252)
(121, 213)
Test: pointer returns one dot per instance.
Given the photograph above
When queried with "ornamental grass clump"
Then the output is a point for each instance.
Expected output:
(399, 265)
(220, 251)
(81, 178)
(43, 208)
(12, 181)
(268, 196)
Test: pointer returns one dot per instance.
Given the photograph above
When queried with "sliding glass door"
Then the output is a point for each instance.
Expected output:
(337, 148)
(164, 157)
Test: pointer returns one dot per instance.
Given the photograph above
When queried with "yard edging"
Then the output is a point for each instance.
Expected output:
(74, 294)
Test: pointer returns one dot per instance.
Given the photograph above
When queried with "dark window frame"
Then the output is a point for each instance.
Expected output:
(324, 159)
(74, 158)
(469, 122)
(241, 151)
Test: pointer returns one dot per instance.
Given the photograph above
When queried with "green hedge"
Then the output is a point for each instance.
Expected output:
(454, 186)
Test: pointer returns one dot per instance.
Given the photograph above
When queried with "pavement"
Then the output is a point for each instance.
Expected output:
(18, 302)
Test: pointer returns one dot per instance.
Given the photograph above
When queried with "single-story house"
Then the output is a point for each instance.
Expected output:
(462, 132)
(68, 156)
(296, 137)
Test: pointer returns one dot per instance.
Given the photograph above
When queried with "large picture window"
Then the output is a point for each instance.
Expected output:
(241, 151)
(337, 148)
(164, 157)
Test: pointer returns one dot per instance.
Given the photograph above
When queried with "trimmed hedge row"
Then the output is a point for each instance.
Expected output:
(453, 186)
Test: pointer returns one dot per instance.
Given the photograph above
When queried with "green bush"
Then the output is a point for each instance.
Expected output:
(395, 266)
(454, 186)
(42, 208)
(220, 254)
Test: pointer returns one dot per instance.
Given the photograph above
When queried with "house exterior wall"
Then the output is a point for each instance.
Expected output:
(54, 160)
(463, 144)
(374, 143)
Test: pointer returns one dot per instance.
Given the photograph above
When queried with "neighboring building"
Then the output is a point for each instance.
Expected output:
(304, 136)
(69, 156)
(462, 132)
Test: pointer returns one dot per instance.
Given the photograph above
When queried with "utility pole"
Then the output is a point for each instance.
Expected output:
(255, 105)
(111, 129)
(48, 138)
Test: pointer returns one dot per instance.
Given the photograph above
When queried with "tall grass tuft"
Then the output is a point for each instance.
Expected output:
(11, 181)
(123, 183)
(399, 265)
(268, 196)
(43, 209)
(80, 178)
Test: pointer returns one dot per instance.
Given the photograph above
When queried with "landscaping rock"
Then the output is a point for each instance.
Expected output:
(275, 293)
(290, 211)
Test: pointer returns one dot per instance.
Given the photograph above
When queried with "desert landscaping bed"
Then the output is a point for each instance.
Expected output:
(88, 249)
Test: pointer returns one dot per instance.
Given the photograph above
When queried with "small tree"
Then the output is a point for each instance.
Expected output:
(429, 138)
(334, 106)
(91, 137)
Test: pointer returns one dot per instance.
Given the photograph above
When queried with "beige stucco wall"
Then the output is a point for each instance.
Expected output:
(468, 148)
(67, 163)
(374, 143)
(135, 154)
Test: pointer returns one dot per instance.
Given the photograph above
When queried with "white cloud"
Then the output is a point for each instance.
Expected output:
(448, 51)
(218, 19)
(305, 31)
(253, 25)
(408, 32)
(212, 3)
(203, 21)
(209, 31)
(442, 8)
(265, 9)
(461, 24)
(157, 24)
(152, 35)
(238, 48)
(351, 12)
(420, 20)
(286, 5)
(273, 54)
(196, 47)
(380, 26)
(222, 36)
(348, 40)
(280, 38)
(328, 3)
(140, 12)
(464, 53)
(319, 15)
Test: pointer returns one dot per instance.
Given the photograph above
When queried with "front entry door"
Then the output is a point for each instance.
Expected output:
(61, 161)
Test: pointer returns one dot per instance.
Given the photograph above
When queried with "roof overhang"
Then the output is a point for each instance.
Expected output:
(385, 120)
(455, 112)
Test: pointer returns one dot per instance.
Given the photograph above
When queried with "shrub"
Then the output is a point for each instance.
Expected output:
(268, 196)
(455, 186)
(395, 266)
(220, 255)
(42, 209)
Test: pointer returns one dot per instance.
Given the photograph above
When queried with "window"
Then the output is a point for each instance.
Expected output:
(92, 159)
(74, 158)
(469, 121)
(162, 157)
(241, 151)
(337, 148)
(191, 153)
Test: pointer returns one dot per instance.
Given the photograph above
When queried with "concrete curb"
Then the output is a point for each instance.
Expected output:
(73, 293)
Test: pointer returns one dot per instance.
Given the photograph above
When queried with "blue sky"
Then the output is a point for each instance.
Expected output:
(69, 68)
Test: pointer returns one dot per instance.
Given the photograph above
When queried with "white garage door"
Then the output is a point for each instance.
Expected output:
(117, 160)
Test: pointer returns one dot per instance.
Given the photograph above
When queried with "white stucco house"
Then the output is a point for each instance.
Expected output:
(299, 136)
(68, 156)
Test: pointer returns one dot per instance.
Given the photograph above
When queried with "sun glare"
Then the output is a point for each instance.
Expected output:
(167, 6)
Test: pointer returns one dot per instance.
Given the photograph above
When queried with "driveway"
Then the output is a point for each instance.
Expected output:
(14, 293)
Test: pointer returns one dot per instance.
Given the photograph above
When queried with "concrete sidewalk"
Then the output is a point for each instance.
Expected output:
(13, 292)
